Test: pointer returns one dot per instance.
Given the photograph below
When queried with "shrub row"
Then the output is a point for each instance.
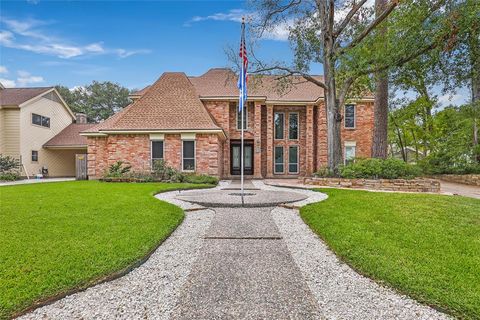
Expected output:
(374, 169)
(121, 172)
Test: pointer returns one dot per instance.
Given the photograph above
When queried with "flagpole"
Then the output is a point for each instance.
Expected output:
(243, 111)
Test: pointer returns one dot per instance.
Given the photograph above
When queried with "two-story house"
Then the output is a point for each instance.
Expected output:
(38, 128)
(193, 124)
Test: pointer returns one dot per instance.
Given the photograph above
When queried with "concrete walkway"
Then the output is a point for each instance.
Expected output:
(459, 189)
(30, 181)
(240, 263)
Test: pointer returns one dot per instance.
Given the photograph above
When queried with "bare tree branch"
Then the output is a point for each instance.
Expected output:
(274, 12)
(291, 72)
(371, 26)
(349, 17)
(343, 92)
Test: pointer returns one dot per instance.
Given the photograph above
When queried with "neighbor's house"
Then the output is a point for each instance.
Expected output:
(193, 124)
(38, 127)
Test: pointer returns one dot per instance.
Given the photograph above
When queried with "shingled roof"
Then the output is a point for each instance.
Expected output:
(171, 103)
(222, 82)
(17, 96)
(70, 136)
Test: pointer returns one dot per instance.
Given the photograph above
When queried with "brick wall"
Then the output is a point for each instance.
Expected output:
(362, 134)
(135, 150)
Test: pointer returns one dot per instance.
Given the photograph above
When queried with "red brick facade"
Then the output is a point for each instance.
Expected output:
(212, 151)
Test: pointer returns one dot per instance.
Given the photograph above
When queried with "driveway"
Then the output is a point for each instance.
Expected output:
(459, 189)
(227, 261)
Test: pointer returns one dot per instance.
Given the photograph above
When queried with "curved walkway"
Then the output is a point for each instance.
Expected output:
(240, 263)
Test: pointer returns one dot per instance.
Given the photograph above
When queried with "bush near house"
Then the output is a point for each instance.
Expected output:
(161, 172)
(372, 168)
(9, 168)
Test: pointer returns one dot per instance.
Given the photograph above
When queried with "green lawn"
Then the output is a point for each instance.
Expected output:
(59, 236)
(427, 246)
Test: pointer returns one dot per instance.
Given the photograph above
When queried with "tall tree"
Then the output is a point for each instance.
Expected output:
(349, 48)
(380, 127)
(98, 100)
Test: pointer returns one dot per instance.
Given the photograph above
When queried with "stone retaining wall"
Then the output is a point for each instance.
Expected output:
(405, 185)
(470, 179)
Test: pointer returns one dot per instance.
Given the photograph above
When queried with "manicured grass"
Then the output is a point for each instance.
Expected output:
(59, 236)
(427, 246)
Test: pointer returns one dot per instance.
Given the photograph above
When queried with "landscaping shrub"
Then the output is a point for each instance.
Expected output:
(324, 172)
(200, 179)
(161, 172)
(117, 170)
(379, 169)
(9, 176)
(9, 168)
(443, 163)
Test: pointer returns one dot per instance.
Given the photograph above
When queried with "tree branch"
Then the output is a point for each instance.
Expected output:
(400, 61)
(370, 27)
(276, 11)
(291, 72)
(349, 17)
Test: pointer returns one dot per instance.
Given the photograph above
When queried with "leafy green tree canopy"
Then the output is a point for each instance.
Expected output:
(98, 100)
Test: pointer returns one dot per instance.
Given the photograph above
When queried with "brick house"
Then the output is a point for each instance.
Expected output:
(193, 124)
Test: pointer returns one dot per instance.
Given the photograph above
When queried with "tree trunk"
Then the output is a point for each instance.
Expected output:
(334, 140)
(380, 126)
(475, 65)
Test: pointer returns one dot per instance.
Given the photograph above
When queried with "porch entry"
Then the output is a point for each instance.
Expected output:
(235, 151)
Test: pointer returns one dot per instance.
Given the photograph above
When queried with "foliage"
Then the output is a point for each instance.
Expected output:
(9, 168)
(117, 170)
(98, 100)
(324, 172)
(202, 179)
(163, 172)
(425, 246)
(379, 169)
(64, 235)
(9, 176)
(8, 163)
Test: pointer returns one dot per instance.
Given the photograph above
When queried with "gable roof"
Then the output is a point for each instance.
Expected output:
(70, 136)
(17, 96)
(222, 82)
(171, 103)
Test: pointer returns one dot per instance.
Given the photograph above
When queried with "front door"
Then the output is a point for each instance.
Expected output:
(235, 152)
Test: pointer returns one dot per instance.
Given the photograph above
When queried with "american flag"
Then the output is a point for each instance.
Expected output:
(242, 79)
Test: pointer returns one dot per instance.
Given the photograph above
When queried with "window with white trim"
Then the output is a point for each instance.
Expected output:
(279, 163)
(156, 151)
(245, 117)
(40, 120)
(188, 155)
(349, 120)
(293, 159)
(34, 156)
(293, 126)
(349, 154)
(279, 121)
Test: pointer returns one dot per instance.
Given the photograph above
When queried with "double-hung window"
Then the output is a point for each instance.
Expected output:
(293, 159)
(157, 151)
(40, 120)
(350, 149)
(350, 116)
(188, 155)
(34, 156)
(293, 126)
(279, 120)
(279, 163)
